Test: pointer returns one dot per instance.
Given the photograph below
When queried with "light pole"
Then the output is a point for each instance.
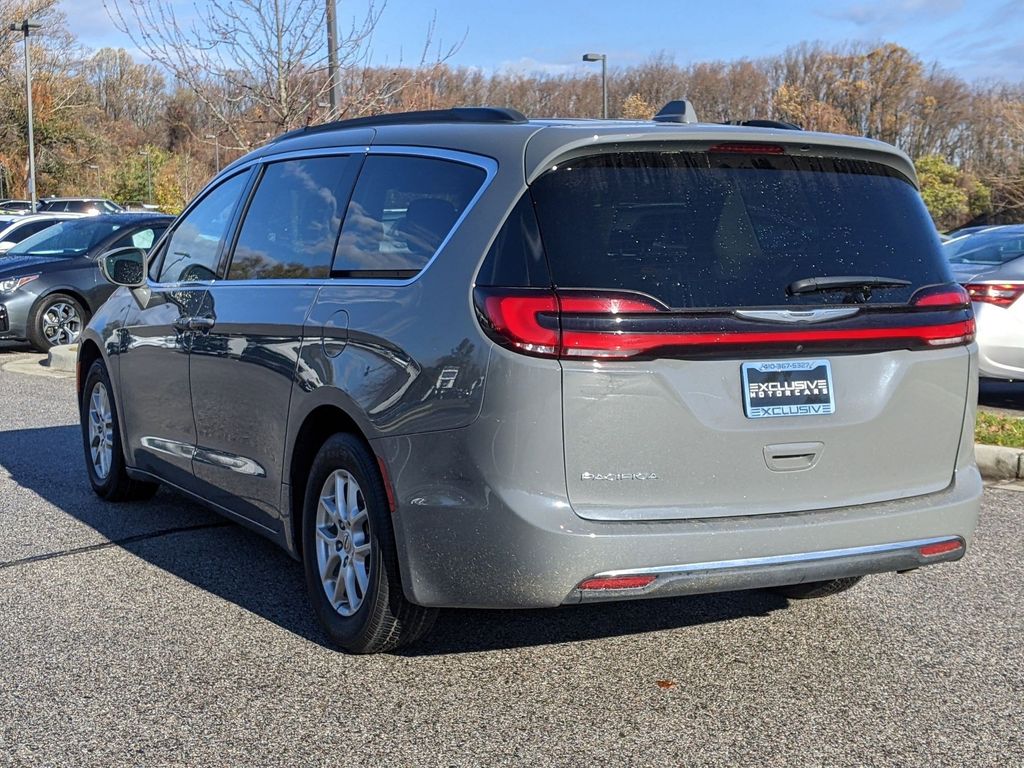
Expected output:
(25, 27)
(332, 58)
(603, 58)
(149, 175)
(216, 148)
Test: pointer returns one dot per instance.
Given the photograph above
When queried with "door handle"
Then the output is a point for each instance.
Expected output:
(203, 324)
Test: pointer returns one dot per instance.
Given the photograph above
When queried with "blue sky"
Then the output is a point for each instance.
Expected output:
(978, 39)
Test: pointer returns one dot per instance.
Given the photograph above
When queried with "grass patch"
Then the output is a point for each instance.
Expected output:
(999, 430)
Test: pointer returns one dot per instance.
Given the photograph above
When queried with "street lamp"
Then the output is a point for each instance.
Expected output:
(603, 58)
(216, 148)
(149, 175)
(25, 27)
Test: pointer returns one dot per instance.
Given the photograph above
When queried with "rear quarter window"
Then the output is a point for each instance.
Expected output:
(401, 211)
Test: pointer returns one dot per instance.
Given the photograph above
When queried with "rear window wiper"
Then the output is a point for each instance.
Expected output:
(858, 287)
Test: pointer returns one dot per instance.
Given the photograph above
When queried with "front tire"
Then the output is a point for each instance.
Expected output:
(813, 590)
(349, 554)
(56, 319)
(101, 439)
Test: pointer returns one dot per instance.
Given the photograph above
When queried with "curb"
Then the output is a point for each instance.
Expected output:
(997, 462)
(63, 357)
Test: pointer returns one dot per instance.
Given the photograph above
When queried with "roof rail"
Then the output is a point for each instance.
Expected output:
(680, 111)
(781, 124)
(454, 115)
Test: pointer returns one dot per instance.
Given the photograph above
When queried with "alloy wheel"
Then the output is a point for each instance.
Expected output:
(343, 542)
(62, 324)
(101, 431)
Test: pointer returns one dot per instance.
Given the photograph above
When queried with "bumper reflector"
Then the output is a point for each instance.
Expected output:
(617, 582)
(941, 547)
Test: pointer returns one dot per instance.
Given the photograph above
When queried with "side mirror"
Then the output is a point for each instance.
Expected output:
(124, 266)
(6, 245)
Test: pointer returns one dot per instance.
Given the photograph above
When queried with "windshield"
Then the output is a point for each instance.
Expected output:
(733, 230)
(992, 247)
(66, 238)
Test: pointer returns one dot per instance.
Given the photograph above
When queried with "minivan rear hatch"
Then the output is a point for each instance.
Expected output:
(744, 329)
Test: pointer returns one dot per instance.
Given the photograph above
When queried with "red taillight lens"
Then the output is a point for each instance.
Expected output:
(617, 582)
(941, 547)
(608, 325)
(949, 296)
(515, 316)
(746, 149)
(1000, 294)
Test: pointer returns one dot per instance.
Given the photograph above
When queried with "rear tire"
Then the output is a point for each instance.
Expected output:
(813, 590)
(56, 319)
(349, 554)
(101, 439)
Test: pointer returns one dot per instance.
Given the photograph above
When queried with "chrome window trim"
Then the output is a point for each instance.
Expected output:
(754, 562)
(488, 164)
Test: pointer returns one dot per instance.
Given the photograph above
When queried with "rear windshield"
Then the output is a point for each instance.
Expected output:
(732, 230)
(992, 247)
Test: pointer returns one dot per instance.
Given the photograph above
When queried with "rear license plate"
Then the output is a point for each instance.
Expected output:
(787, 388)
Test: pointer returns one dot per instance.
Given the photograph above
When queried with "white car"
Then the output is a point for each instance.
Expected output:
(14, 229)
(990, 264)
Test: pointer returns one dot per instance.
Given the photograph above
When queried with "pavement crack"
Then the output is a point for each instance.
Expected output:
(113, 543)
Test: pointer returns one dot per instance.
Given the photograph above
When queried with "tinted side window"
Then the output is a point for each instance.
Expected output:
(292, 224)
(194, 247)
(139, 238)
(401, 211)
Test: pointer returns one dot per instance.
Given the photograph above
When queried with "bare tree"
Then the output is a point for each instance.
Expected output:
(259, 67)
(125, 90)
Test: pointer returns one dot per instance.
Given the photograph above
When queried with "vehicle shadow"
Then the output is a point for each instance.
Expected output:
(181, 537)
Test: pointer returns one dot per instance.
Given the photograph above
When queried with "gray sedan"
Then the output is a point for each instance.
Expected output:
(49, 283)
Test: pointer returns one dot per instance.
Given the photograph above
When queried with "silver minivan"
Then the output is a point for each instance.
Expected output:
(462, 358)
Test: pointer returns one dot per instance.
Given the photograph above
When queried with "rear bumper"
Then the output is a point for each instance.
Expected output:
(520, 550)
(773, 571)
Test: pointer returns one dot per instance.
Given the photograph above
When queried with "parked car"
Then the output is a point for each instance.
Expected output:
(989, 264)
(15, 206)
(49, 282)
(90, 205)
(461, 358)
(962, 231)
(14, 229)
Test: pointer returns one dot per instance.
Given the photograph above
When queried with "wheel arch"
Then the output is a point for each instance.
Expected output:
(88, 353)
(65, 290)
(323, 421)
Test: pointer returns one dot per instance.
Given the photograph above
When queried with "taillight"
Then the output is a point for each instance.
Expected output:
(946, 296)
(603, 325)
(1000, 294)
(526, 319)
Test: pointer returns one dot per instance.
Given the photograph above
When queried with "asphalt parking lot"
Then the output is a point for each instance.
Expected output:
(159, 634)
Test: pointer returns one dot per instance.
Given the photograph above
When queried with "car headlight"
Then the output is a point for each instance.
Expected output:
(11, 284)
